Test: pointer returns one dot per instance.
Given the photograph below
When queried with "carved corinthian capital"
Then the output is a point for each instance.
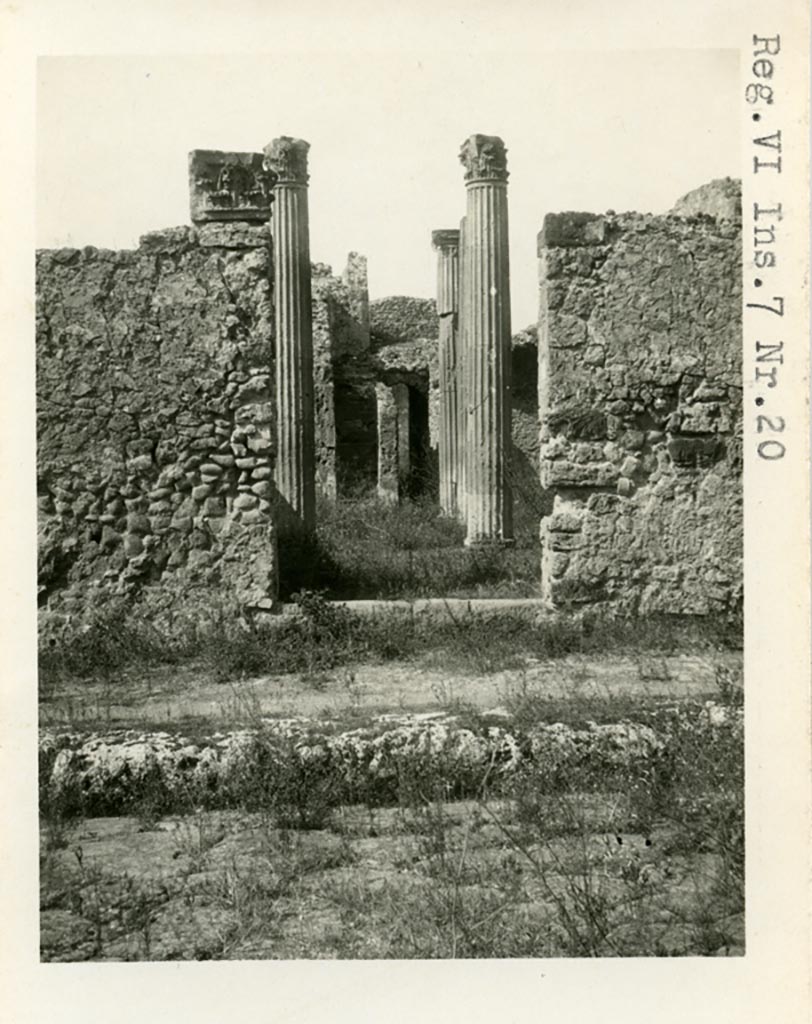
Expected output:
(484, 159)
(445, 238)
(287, 159)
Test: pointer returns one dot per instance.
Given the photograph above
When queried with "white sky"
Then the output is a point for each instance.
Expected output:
(626, 130)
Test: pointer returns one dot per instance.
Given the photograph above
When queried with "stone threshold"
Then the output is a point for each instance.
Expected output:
(449, 606)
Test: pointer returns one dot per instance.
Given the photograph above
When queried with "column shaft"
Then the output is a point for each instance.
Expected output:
(487, 354)
(295, 473)
(296, 458)
(447, 245)
(462, 351)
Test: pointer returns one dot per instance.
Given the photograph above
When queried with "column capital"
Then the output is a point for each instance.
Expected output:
(484, 159)
(286, 158)
(445, 238)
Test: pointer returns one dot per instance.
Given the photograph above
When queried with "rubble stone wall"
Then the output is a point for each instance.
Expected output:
(155, 416)
(400, 318)
(344, 385)
(640, 403)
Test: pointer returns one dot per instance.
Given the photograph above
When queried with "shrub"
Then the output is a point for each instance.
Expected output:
(274, 775)
(112, 636)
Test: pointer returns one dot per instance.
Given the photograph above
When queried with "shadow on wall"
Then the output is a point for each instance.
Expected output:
(356, 435)
(407, 463)
(531, 502)
(423, 473)
(345, 405)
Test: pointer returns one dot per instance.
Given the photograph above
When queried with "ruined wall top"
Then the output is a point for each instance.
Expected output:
(484, 158)
(228, 187)
(286, 159)
(720, 198)
(355, 277)
(571, 228)
(400, 318)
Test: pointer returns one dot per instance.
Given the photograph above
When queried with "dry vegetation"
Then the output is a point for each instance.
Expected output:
(566, 854)
(366, 548)
(560, 848)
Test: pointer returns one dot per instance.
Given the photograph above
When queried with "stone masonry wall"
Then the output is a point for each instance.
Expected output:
(155, 417)
(344, 385)
(640, 405)
(399, 318)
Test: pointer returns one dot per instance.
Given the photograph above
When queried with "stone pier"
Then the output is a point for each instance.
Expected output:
(447, 244)
(286, 158)
(356, 280)
(394, 458)
(486, 333)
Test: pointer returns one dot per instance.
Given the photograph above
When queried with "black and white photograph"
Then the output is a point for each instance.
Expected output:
(396, 414)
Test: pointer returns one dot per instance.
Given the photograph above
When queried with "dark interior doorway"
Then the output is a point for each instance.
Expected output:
(356, 438)
(422, 477)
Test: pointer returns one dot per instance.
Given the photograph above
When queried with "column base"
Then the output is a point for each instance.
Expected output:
(489, 542)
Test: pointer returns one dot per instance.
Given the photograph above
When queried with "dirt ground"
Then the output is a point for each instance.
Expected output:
(383, 882)
(376, 884)
(169, 695)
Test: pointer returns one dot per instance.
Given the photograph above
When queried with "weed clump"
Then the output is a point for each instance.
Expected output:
(367, 548)
(621, 838)
(325, 635)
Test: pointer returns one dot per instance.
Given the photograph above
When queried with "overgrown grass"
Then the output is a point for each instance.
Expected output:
(644, 856)
(366, 548)
(439, 858)
(324, 636)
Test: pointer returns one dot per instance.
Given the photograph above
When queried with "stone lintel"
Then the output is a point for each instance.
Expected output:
(445, 238)
(484, 158)
(571, 229)
(286, 159)
(228, 187)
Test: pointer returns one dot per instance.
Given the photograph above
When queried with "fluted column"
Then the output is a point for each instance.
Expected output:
(462, 348)
(286, 158)
(488, 502)
(447, 245)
